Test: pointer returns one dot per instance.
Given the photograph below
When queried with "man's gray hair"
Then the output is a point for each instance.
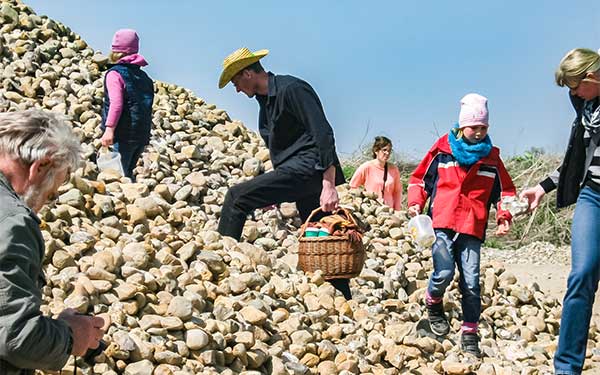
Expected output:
(34, 134)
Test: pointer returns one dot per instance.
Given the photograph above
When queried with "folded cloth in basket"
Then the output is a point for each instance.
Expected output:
(338, 225)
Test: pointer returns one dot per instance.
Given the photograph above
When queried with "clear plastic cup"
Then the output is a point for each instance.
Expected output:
(421, 230)
(110, 160)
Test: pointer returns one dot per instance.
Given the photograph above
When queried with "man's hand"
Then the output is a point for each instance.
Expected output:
(108, 138)
(329, 199)
(329, 196)
(533, 195)
(503, 228)
(414, 210)
(87, 330)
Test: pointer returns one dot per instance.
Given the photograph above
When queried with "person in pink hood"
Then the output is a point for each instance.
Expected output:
(128, 97)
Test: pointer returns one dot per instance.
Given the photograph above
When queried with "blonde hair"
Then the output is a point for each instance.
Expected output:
(116, 56)
(575, 65)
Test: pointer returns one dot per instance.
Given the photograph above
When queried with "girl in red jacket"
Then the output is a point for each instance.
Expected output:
(462, 175)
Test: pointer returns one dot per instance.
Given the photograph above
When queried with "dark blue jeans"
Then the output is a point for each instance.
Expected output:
(450, 249)
(130, 153)
(581, 285)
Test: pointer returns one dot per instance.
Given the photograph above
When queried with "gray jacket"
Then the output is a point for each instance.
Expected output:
(28, 340)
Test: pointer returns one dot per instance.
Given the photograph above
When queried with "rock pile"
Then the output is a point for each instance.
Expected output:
(179, 299)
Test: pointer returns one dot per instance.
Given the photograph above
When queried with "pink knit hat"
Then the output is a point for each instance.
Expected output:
(473, 111)
(126, 41)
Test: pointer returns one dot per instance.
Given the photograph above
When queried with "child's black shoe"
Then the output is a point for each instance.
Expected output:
(469, 343)
(437, 319)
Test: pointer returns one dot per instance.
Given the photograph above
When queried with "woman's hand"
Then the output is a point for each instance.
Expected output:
(414, 210)
(533, 195)
(503, 228)
(108, 138)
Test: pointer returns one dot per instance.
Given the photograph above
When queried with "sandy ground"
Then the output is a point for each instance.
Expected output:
(551, 278)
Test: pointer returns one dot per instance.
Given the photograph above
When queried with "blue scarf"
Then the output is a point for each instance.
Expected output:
(466, 153)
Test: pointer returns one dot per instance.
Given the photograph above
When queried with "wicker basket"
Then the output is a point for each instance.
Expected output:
(336, 256)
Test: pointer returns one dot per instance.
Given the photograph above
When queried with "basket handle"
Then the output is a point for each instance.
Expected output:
(318, 209)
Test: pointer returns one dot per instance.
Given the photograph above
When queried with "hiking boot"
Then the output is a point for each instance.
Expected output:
(469, 343)
(437, 319)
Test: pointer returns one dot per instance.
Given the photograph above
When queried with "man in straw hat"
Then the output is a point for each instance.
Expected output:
(300, 141)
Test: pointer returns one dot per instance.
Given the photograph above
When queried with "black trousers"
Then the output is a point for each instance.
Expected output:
(264, 190)
(272, 188)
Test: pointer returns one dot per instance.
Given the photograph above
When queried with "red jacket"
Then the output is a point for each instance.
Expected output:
(460, 198)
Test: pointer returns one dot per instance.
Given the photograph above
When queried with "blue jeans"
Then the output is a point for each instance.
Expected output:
(130, 153)
(452, 248)
(581, 285)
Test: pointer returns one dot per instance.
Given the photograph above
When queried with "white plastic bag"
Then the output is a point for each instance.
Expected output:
(110, 159)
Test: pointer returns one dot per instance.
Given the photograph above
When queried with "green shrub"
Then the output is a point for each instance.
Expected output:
(348, 171)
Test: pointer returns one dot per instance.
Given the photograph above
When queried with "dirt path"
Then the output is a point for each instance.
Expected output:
(551, 278)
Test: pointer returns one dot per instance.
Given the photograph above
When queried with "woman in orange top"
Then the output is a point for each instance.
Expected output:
(379, 176)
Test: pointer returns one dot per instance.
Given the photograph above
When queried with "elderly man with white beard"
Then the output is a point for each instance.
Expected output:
(38, 151)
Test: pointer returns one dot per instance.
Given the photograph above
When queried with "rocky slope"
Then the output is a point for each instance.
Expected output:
(179, 299)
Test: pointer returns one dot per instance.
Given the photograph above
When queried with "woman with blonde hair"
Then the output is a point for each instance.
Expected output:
(578, 181)
(379, 175)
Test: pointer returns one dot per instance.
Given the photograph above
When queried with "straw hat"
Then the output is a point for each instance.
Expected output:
(237, 61)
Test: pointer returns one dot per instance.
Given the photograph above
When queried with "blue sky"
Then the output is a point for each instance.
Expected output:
(394, 68)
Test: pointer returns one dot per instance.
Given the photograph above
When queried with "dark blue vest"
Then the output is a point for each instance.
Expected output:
(136, 118)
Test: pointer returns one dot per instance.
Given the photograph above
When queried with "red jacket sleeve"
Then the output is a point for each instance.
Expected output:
(507, 189)
(421, 181)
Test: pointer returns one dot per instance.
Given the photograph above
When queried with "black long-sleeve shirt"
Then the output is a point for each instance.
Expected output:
(294, 127)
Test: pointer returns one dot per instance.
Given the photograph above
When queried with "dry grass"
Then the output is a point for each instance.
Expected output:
(546, 223)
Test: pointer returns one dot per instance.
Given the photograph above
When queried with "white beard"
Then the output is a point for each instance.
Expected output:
(31, 197)
(35, 196)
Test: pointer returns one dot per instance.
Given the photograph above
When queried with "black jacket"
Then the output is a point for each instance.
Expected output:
(569, 177)
(293, 125)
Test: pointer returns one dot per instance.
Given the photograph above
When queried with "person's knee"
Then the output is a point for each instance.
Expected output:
(235, 199)
(444, 277)
(585, 274)
(441, 250)
(230, 199)
(469, 287)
